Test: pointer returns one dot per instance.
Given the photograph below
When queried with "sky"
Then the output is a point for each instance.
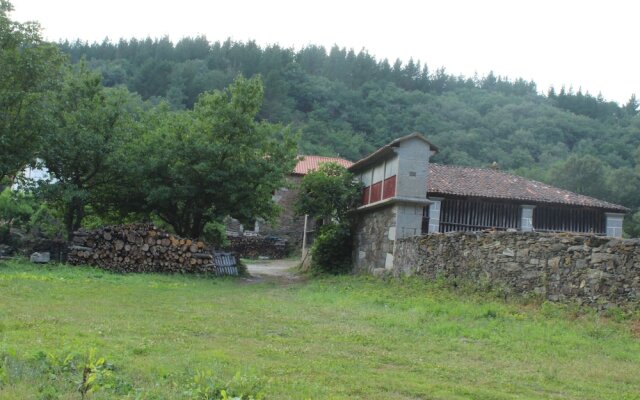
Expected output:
(593, 45)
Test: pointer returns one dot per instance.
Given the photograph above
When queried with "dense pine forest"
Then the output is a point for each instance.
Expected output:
(349, 103)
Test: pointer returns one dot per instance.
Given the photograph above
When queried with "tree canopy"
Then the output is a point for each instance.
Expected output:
(28, 68)
(197, 166)
(328, 193)
(87, 126)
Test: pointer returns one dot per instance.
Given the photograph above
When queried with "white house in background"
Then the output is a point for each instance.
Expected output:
(34, 174)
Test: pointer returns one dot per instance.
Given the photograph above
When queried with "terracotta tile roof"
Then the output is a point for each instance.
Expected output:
(489, 183)
(307, 164)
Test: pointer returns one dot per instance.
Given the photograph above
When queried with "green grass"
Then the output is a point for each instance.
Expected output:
(335, 337)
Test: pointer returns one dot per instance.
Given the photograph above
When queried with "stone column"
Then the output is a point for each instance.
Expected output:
(614, 224)
(526, 218)
(434, 214)
(408, 220)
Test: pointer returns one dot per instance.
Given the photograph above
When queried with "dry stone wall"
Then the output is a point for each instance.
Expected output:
(591, 270)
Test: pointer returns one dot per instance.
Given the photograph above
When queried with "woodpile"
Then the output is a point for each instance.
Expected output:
(139, 248)
(258, 246)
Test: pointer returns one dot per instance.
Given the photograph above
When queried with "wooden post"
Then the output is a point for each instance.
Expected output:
(304, 238)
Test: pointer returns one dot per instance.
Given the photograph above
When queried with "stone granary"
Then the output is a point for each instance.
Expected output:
(405, 195)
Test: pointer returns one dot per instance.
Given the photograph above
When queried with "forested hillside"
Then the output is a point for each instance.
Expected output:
(348, 103)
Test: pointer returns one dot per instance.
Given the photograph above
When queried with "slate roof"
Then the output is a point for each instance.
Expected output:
(489, 183)
(307, 164)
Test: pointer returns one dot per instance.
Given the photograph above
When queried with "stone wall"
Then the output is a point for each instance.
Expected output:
(374, 238)
(591, 270)
(289, 225)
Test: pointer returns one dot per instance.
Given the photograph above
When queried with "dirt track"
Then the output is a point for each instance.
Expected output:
(274, 270)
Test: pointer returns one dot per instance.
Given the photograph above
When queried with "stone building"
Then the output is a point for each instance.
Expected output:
(393, 199)
(405, 195)
(290, 226)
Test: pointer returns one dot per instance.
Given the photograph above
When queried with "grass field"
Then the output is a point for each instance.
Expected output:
(166, 337)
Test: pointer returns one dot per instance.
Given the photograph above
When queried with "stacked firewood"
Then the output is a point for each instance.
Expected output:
(258, 246)
(139, 248)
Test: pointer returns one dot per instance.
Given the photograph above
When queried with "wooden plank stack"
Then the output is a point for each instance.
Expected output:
(139, 248)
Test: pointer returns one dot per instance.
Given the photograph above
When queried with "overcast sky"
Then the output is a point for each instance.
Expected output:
(590, 44)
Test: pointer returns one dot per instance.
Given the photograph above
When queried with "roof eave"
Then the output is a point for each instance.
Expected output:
(387, 149)
(372, 158)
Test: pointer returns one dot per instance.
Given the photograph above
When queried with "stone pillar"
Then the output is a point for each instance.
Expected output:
(614, 224)
(434, 214)
(526, 218)
(374, 239)
(408, 220)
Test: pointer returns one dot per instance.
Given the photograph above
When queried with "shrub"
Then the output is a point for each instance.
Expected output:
(215, 233)
(329, 193)
(15, 208)
(45, 222)
(331, 250)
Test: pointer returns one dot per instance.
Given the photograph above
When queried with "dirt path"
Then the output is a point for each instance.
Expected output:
(283, 271)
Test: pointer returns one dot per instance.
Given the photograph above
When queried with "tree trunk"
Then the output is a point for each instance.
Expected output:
(73, 216)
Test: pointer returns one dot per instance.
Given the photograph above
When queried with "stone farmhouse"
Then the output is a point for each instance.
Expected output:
(406, 195)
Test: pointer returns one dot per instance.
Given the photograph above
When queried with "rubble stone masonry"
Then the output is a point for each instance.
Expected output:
(590, 270)
(374, 239)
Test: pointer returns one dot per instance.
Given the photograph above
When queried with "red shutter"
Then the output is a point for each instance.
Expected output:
(365, 195)
(389, 187)
(376, 192)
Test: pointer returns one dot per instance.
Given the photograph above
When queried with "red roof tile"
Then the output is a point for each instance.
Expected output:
(307, 164)
(489, 183)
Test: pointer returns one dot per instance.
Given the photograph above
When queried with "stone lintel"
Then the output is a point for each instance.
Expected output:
(394, 200)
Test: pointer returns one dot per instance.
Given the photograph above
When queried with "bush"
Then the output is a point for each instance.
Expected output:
(15, 208)
(331, 250)
(45, 222)
(215, 233)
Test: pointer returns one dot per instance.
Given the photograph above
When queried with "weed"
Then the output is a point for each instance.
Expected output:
(617, 314)
(96, 373)
(206, 386)
(490, 314)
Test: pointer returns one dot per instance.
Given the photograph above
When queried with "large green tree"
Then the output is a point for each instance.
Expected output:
(87, 127)
(197, 166)
(28, 68)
